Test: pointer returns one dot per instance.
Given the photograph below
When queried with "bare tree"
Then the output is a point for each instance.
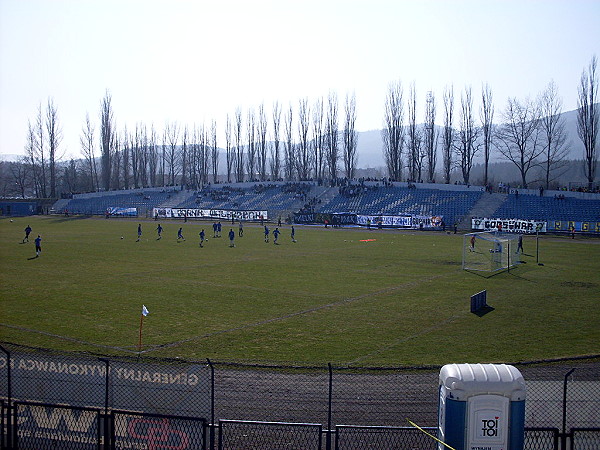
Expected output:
(37, 156)
(251, 145)
(54, 134)
(448, 135)
(126, 158)
(106, 139)
(117, 160)
(275, 150)
(553, 130)
(171, 138)
(262, 143)
(318, 138)
(466, 142)
(519, 136)
(486, 114)
(303, 148)
(289, 157)
(393, 132)
(87, 149)
(239, 149)
(588, 115)
(430, 136)
(350, 136)
(332, 135)
(414, 138)
(214, 152)
(153, 155)
(229, 157)
(21, 175)
(184, 156)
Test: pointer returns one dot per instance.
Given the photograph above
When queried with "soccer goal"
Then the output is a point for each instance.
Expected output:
(490, 251)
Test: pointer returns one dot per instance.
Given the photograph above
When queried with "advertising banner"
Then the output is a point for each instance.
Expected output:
(117, 211)
(175, 389)
(509, 225)
(414, 222)
(196, 213)
(569, 225)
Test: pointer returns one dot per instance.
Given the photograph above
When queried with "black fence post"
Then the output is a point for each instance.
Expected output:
(212, 404)
(328, 440)
(9, 429)
(107, 432)
(564, 418)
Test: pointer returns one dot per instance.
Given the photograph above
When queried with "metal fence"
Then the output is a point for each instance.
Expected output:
(192, 404)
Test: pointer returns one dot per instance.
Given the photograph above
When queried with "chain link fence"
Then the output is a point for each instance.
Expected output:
(561, 397)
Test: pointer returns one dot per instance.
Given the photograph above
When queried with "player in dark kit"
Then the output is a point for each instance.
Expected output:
(275, 235)
(27, 232)
(139, 232)
(180, 235)
(266, 234)
(159, 230)
(202, 235)
(231, 238)
(293, 234)
(38, 246)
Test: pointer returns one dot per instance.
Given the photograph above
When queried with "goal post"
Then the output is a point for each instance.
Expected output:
(490, 251)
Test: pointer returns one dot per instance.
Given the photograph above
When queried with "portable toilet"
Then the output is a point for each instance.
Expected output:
(481, 407)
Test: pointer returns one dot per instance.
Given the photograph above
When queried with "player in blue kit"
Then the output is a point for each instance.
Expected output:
(180, 234)
(231, 237)
(202, 236)
(293, 234)
(275, 235)
(38, 246)
(159, 230)
(27, 232)
(266, 234)
(139, 232)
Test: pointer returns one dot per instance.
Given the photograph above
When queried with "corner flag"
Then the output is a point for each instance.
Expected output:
(145, 311)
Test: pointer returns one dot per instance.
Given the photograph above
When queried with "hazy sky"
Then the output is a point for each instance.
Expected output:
(196, 61)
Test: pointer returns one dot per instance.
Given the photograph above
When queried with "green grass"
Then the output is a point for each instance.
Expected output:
(400, 300)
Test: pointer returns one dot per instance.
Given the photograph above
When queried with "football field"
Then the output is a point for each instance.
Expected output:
(345, 296)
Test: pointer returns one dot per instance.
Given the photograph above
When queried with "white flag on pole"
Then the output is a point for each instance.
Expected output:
(145, 311)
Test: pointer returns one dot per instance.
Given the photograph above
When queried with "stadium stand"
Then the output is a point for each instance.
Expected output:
(556, 207)
(97, 203)
(400, 200)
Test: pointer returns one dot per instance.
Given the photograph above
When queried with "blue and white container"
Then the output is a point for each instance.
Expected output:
(481, 407)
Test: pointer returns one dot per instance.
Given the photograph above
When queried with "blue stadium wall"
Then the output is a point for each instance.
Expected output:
(18, 208)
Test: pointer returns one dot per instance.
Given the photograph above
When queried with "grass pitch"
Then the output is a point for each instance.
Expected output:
(400, 299)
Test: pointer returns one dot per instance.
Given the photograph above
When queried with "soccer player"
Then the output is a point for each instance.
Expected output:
(27, 232)
(231, 237)
(275, 235)
(202, 235)
(219, 228)
(180, 234)
(214, 229)
(293, 234)
(159, 230)
(520, 244)
(38, 246)
(139, 232)
(241, 229)
(266, 234)
(472, 247)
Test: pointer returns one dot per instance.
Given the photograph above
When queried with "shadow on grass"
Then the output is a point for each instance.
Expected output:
(484, 310)
(32, 258)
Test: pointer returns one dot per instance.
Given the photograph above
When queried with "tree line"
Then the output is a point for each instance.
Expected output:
(531, 133)
(309, 141)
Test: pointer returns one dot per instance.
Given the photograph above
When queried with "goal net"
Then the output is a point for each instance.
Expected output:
(490, 251)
